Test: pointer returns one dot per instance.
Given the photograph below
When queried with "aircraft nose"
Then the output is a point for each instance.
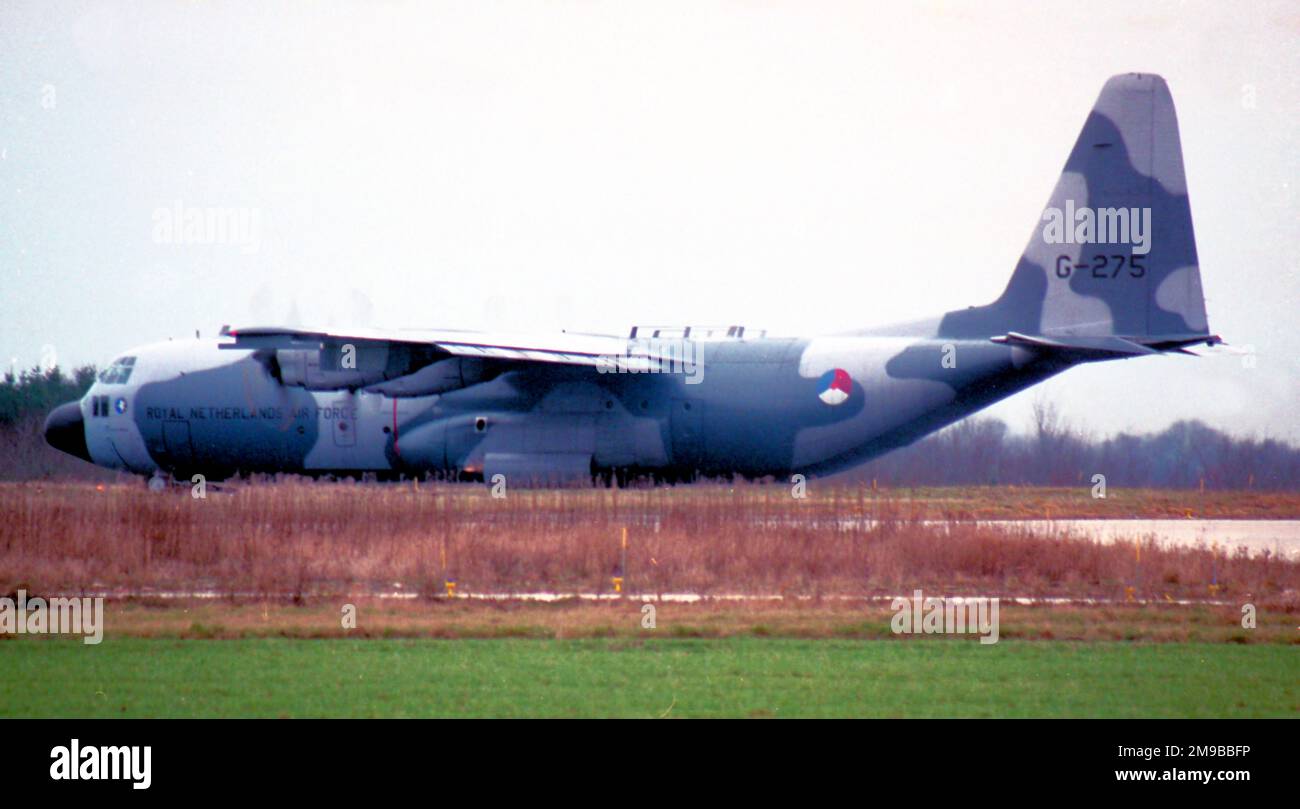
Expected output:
(65, 430)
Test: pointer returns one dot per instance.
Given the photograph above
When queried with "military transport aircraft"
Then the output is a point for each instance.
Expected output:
(1110, 273)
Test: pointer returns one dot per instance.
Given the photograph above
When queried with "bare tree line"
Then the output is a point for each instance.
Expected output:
(1053, 452)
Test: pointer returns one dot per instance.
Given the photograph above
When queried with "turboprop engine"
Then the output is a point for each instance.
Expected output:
(396, 370)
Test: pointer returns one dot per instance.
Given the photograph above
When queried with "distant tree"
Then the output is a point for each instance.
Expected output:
(25, 400)
(1053, 453)
(35, 391)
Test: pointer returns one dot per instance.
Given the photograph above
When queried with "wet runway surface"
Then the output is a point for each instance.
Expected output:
(1278, 537)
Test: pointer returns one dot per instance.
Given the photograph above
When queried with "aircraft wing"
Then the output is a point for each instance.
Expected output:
(563, 348)
(418, 361)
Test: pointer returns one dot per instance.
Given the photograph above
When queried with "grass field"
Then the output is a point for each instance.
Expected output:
(739, 677)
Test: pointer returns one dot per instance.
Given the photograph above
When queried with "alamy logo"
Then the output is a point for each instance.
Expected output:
(183, 224)
(656, 356)
(54, 616)
(91, 763)
(1084, 225)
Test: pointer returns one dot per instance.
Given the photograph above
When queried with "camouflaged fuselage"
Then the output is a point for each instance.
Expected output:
(1110, 272)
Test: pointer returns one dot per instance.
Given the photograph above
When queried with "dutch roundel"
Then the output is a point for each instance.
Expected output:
(834, 386)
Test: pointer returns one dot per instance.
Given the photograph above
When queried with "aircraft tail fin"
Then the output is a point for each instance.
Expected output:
(1114, 254)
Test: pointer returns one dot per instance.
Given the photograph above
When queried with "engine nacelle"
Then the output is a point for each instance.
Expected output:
(378, 368)
(449, 374)
(333, 366)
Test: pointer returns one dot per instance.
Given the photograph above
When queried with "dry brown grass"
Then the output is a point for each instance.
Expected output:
(302, 539)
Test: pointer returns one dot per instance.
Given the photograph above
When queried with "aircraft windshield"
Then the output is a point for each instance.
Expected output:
(119, 372)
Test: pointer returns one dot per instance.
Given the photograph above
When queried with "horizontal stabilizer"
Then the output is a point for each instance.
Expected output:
(1099, 347)
(1105, 347)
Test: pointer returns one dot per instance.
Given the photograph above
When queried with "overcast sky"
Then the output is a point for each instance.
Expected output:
(804, 167)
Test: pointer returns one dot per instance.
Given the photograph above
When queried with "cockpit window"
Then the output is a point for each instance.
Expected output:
(119, 372)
